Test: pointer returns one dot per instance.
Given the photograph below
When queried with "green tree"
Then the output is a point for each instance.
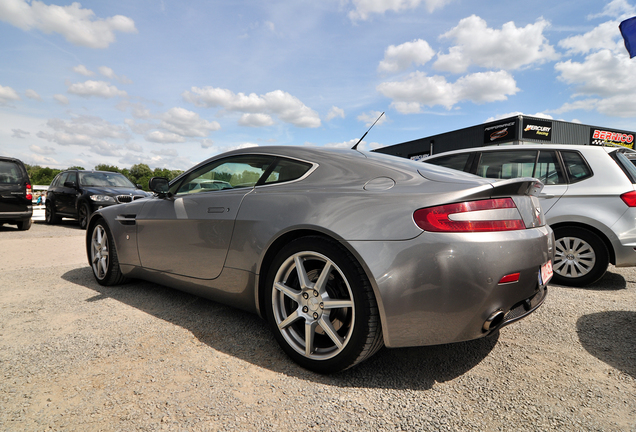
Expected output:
(81, 168)
(105, 167)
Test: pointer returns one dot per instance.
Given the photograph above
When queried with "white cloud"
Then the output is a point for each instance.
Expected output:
(95, 88)
(279, 103)
(335, 112)
(370, 118)
(399, 58)
(605, 35)
(516, 113)
(8, 94)
(78, 26)
(602, 73)
(364, 8)
(43, 151)
(164, 137)
(509, 48)
(86, 131)
(256, 120)
(110, 74)
(61, 99)
(81, 69)
(156, 161)
(207, 143)
(187, 123)
(32, 94)
(616, 9)
(419, 89)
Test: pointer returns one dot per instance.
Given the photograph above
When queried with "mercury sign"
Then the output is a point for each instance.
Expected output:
(537, 130)
(605, 137)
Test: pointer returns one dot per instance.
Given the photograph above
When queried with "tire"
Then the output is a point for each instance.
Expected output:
(581, 257)
(103, 255)
(83, 214)
(325, 317)
(24, 225)
(50, 215)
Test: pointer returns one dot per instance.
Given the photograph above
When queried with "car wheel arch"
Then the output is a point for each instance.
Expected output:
(275, 246)
(599, 233)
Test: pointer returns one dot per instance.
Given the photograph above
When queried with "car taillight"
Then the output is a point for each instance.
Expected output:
(629, 198)
(498, 214)
(29, 192)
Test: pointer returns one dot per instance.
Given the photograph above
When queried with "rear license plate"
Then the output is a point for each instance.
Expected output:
(546, 272)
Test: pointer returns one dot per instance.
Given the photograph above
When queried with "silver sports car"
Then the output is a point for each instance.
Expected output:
(341, 251)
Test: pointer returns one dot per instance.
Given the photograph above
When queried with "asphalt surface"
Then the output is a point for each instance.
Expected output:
(76, 356)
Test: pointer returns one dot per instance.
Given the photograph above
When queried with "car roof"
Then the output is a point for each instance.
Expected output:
(579, 147)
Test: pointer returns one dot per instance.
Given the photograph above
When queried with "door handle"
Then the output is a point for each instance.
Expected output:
(216, 209)
(546, 196)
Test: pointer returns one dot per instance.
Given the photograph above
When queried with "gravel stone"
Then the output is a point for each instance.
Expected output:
(76, 356)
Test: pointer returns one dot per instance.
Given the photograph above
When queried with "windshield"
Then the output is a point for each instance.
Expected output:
(103, 179)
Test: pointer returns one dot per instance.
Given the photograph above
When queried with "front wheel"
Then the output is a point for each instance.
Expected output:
(83, 214)
(103, 256)
(50, 215)
(321, 306)
(581, 257)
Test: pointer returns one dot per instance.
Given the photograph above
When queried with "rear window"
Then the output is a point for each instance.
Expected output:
(287, 170)
(627, 165)
(10, 173)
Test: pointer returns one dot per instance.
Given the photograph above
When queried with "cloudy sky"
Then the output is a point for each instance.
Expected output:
(172, 82)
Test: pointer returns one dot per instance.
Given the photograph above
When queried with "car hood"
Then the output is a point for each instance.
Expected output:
(114, 191)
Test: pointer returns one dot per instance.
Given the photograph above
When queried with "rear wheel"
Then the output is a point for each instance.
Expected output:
(103, 255)
(581, 257)
(24, 225)
(321, 306)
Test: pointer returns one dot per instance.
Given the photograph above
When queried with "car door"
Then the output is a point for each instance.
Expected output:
(189, 233)
(66, 194)
(541, 164)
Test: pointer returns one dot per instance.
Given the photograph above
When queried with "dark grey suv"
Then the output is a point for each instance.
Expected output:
(77, 194)
(16, 195)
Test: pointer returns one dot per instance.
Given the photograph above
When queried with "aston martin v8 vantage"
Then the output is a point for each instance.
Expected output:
(340, 251)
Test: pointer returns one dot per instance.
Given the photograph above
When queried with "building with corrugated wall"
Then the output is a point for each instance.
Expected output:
(509, 131)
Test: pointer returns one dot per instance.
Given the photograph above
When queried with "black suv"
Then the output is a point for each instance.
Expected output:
(16, 195)
(77, 194)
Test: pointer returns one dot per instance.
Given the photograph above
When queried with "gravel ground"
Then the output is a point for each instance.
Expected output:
(76, 356)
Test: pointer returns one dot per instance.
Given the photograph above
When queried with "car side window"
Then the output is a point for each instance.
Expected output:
(287, 170)
(231, 173)
(507, 164)
(454, 161)
(62, 179)
(72, 177)
(575, 166)
(548, 169)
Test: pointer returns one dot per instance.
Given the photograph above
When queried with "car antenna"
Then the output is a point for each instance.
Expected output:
(355, 147)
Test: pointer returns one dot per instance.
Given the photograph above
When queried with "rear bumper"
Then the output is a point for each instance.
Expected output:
(18, 215)
(441, 288)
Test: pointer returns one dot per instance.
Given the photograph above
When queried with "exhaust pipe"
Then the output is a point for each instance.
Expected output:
(494, 320)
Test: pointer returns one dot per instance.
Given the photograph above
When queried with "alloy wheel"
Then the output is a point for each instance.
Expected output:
(574, 257)
(313, 305)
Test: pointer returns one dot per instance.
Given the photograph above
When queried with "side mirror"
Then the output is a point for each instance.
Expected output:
(138, 186)
(159, 185)
(70, 184)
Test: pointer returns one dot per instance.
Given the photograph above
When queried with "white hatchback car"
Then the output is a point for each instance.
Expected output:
(589, 200)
